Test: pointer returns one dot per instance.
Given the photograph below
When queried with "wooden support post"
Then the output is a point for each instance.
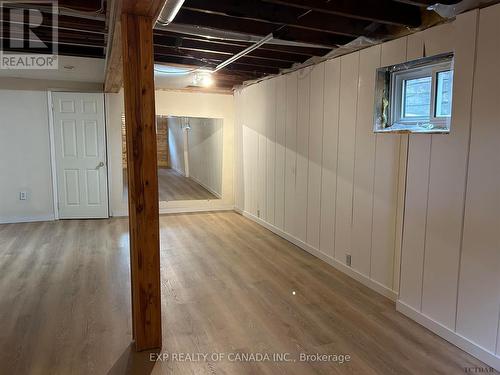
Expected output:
(137, 43)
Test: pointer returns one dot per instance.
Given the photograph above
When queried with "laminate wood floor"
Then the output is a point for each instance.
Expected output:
(228, 286)
(172, 186)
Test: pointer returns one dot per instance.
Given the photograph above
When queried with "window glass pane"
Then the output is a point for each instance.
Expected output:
(443, 94)
(417, 97)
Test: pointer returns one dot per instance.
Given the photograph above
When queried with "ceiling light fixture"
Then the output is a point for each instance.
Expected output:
(203, 78)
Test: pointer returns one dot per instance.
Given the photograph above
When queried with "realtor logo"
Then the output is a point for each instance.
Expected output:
(28, 35)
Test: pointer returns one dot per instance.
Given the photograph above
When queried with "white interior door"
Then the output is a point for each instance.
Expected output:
(80, 155)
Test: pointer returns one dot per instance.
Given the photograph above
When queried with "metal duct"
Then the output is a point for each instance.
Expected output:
(230, 35)
(169, 11)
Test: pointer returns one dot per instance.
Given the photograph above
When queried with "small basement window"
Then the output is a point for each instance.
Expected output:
(415, 97)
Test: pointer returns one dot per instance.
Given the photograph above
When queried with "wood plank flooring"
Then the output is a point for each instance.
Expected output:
(172, 186)
(228, 286)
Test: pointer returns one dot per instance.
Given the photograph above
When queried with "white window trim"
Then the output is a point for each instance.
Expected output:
(397, 98)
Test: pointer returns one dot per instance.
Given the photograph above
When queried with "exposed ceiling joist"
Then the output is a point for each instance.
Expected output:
(426, 3)
(218, 58)
(95, 6)
(260, 28)
(382, 11)
(243, 67)
(236, 67)
(286, 49)
(279, 15)
(114, 65)
(225, 49)
(66, 23)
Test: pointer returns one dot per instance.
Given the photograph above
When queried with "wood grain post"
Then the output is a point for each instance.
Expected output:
(137, 43)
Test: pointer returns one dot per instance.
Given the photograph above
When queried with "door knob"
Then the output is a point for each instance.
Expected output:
(100, 165)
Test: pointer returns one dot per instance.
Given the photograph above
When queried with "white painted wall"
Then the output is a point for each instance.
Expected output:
(174, 103)
(450, 269)
(310, 168)
(25, 157)
(205, 153)
(437, 167)
(479, 273)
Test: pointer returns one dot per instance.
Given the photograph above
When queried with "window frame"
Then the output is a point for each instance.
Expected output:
(398, 79)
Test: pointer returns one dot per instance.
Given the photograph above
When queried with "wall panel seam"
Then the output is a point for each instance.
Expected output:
(425, 224)
(354, 154)
(467, 162)
(308, 155)
(404, 209)
(322, 153)
(337, 165)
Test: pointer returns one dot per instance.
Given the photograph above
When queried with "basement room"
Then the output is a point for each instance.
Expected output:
(249, 187)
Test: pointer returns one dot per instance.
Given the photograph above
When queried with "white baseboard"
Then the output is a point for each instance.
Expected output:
(26, 219)
(206, 187)
(455, 338)
(181, 210)
(363, 279)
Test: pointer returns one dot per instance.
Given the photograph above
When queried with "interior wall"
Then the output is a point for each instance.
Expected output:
(176, 145)
(479, 273)
(451, 258)
(437, 167)
(174, 103)
(25, 157)
(205, 153)
(310, 168)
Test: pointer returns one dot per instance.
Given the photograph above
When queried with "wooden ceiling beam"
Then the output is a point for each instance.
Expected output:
(381, 11)
(217, 21)
(65, 22)
(218, 57)
(114, 65)
(279, 15)
(211, 63)
(229, 75)
(85, 6)
(233, 68)
(425, 3)
(64, 37)
(189, 44)
(288, 49)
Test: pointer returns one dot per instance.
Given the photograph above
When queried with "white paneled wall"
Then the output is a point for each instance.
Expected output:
(450, 267)
(301, 136)
(176, 144)
(205, 147)
(419, 214)
(479, 277)
(331, 102)
(349, 70)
